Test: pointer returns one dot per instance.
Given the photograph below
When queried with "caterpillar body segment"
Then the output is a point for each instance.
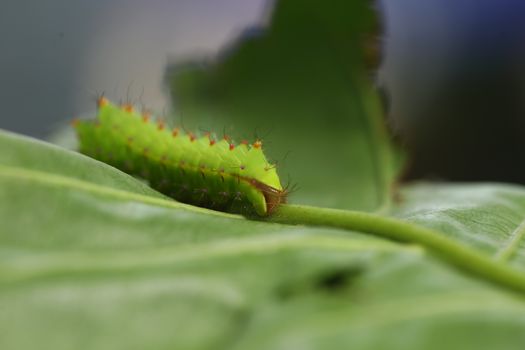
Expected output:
(202, 171)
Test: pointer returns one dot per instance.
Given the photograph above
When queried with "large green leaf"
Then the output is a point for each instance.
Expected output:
(92, 258)
(304, 82)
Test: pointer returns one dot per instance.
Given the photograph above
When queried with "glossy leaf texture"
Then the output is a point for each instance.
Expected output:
(92, 258)
(488, 217)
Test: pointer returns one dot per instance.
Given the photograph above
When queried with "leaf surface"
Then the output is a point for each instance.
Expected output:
(488, 217)
(98, 260)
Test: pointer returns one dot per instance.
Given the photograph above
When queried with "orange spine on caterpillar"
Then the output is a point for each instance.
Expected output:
(203, 171)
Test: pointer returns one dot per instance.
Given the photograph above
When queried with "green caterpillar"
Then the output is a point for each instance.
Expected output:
(202, 171)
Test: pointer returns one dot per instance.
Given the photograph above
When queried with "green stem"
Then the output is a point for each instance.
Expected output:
(449, 250)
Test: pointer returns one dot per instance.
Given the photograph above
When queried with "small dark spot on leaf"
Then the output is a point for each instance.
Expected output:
(338, 279)
(335, 280)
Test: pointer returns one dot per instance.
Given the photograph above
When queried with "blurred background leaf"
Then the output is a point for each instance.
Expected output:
(302, 84)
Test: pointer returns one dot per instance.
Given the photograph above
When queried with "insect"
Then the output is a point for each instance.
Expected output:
(202, 171)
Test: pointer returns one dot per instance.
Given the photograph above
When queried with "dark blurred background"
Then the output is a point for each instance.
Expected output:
(454, 69)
